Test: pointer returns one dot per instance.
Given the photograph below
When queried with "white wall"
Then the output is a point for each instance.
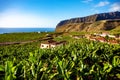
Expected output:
(42, 46)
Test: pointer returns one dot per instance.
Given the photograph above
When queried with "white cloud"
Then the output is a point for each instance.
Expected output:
(102, 3)
(86, 1)
(13, 18)
(115, 7)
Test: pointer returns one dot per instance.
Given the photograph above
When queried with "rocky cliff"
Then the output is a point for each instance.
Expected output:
(103, 21)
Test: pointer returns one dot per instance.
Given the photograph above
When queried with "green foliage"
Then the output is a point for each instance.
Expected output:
(116, 30)
(18, 37)
(10, 71)
(78, 60)
(1, 68)
(116, 61)
(19, 52)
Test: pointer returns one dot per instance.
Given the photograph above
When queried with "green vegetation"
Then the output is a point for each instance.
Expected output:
(116, 30)
(79, 33)
(19, 52)
(63, 38)
(78, 60)
(18, 37)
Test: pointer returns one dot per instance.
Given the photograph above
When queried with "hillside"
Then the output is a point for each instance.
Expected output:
(96, 22)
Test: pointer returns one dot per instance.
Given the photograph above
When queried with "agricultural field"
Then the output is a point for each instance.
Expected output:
(19, 37)
(78, 60)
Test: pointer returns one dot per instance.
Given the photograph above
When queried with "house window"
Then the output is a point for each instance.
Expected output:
(42, 45)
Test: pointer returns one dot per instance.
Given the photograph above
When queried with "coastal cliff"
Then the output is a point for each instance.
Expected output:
(96, 22)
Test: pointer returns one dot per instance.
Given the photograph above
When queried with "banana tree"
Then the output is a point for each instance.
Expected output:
(64, 68)
(10, 71)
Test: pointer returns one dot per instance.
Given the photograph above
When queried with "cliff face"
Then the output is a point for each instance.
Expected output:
(103, 21)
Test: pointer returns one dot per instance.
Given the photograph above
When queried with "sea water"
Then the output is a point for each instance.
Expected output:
(14, 30)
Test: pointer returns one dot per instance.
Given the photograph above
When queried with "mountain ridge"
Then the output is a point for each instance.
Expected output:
(85, 23)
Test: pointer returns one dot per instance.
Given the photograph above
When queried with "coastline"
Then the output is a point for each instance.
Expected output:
(20, 30)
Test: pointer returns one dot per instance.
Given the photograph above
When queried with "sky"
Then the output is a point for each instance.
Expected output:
(48, 13)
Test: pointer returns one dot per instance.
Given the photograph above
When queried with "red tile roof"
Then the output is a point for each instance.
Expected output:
(101, 39)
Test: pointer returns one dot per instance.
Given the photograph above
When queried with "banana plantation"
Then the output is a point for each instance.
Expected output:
(78, 60)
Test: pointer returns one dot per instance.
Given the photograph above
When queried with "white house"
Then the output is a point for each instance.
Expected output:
(51, 44)
(104, 34)
(44, 45)
(112, 36)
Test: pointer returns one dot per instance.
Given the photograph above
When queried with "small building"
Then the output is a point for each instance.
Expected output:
(101, 39)
(44, 45)
(92, 38)
(51, 44)
(113, 42)
(104, 34)
(39, 32)
(87, 36)
(111, 36)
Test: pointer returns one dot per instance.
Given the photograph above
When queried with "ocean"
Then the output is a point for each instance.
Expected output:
(14, 30)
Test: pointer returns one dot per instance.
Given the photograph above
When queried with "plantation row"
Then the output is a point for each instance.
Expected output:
(78, 60)
(19, 52)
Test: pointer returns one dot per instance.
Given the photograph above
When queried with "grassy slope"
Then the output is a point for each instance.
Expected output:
(116, 30)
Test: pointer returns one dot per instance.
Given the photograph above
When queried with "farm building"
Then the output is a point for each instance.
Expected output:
(101, 39)
(51, 44)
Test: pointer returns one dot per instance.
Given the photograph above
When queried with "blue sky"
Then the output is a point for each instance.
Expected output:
(47, 13)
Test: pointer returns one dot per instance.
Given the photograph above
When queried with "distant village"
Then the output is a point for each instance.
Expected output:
(100, 37)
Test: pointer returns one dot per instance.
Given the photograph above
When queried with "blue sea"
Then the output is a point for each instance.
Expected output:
(14, 30)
